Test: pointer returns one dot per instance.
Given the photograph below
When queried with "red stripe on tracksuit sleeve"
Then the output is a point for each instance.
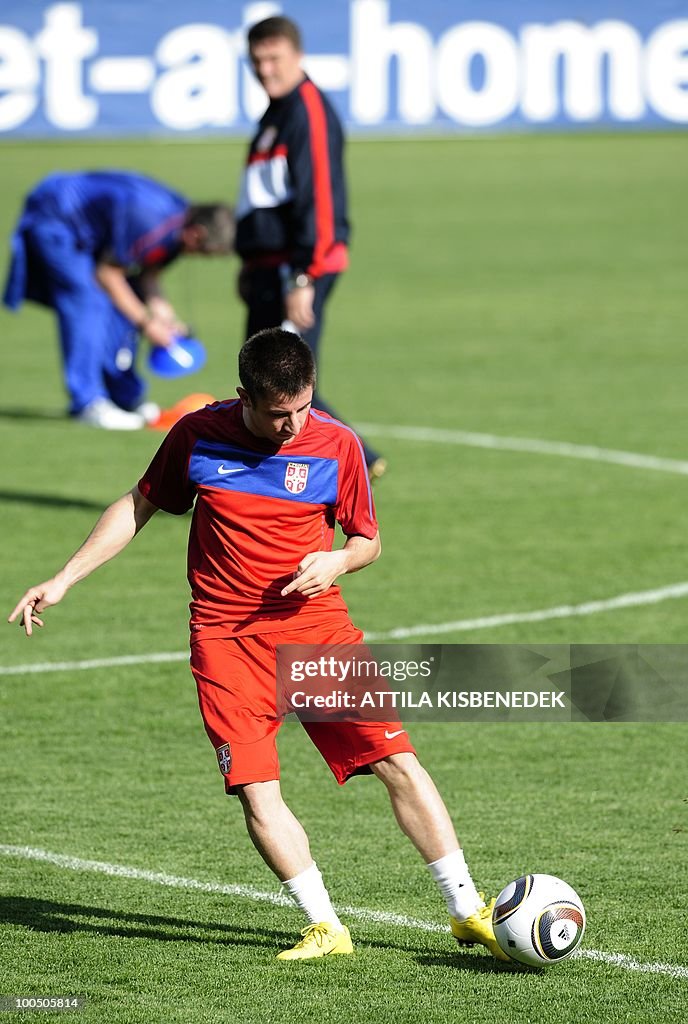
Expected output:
(322, 187)
(258, 158)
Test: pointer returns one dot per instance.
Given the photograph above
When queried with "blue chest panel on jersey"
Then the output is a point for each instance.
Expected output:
(306, 478)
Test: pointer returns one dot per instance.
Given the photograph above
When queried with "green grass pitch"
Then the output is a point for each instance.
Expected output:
(524, 287)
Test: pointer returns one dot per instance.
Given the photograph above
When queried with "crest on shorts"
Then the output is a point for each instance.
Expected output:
(296, 477)
(224, 758)
(266, 139)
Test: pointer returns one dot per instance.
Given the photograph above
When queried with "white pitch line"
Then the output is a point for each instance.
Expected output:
(75, 666)
(176, 882)
(525, 444)
(629, 963)
(281, 900)
(564, 611)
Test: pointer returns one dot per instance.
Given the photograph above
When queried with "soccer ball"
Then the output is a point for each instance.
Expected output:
(538, 920)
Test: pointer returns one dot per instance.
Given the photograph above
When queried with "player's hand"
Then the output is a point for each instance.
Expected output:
(316, 573)
(158, 332)
(163, 310)
(36, 600)
(298, 307)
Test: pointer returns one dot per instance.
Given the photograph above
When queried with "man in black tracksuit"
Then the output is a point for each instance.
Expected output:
(292, 227)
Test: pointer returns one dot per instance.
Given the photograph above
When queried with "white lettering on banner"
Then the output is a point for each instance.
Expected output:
(582, 53)
(374, 42)
(473, 73)
(200, 87)
(329, 71)
(19, 78)
(666, 70)
(64, 44)
(122, 74)
(497, 98)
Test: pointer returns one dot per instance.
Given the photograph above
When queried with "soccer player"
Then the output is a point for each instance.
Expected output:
(91, 247)
(269, 477)
(292, 221)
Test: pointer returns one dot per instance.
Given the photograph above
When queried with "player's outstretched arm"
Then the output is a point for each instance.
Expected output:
(317, 571)
(119, 524)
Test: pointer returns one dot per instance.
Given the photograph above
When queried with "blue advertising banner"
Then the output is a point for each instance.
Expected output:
(125, 67)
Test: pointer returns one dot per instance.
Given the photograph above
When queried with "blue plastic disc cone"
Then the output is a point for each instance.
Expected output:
(184, 356)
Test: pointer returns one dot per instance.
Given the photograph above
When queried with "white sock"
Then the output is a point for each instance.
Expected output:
(456, 885)
(310, 895)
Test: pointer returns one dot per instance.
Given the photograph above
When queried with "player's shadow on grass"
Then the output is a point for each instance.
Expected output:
(50, 916)
(479, 963)
(49, 500)
(24, 413)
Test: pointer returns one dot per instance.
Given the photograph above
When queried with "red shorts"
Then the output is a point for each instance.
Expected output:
(235, 678)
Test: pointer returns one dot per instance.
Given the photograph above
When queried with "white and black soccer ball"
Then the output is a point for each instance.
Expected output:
(538, 920)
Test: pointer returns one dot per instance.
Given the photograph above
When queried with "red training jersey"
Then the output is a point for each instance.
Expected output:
(259, 509)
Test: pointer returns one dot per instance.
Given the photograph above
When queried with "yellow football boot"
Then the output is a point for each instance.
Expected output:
(478, 929)
(319, 940)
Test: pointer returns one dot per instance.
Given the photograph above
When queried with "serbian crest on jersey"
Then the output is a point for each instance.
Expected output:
(224, 758)
(296, 477)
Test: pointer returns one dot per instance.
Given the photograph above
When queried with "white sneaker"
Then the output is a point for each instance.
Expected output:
(103, 413)
(149, 410)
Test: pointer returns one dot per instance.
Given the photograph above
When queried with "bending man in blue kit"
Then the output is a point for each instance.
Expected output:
(91, 247)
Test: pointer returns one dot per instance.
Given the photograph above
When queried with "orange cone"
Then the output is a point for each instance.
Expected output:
(168, 417)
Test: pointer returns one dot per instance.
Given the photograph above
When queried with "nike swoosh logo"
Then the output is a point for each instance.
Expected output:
(223, 472)
(393, 735)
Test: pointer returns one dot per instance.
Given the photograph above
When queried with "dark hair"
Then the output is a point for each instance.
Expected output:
(218, 221)
(276, 363)
(278, 27)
